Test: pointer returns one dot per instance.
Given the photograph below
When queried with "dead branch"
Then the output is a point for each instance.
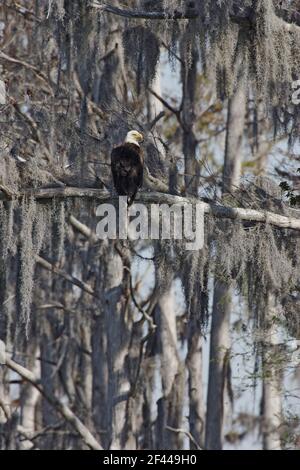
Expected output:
(187, 433)
(167, 105)
(34, 69)
(57, 403)
(68, 277)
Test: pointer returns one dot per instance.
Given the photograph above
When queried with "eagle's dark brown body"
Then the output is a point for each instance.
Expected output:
(127, 164)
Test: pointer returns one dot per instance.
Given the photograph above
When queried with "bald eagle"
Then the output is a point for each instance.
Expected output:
(127, 163)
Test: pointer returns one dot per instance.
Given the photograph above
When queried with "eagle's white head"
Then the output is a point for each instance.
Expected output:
(134, 137)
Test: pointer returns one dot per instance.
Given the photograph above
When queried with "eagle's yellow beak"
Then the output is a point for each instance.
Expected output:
(139, 137)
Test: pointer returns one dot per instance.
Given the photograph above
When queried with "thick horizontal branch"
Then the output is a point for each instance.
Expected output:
(148, 15)
(58, 404)
(242, 16)
(224, 212)
(66, 192)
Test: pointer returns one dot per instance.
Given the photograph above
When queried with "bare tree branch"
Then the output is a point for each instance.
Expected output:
(57, 403)
(38, 73)
(167, 105)
(82, 228)
(241, 16)
(82, 285)
(187, 433)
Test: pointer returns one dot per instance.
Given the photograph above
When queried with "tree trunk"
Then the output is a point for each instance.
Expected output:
(118, 324)
(195, 385)
(272, 381)
(189, 142)
(170, 405)
(220, 336)
(189, 146)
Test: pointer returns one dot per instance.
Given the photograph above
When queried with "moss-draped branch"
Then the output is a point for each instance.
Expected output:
(242, 16)
(217, 210)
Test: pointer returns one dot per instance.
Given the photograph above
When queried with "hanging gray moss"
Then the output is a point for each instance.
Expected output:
(194, 268)
(141, 51)
(40, 233)
(34, 222)
(259, 260)
(8, 247)
(165, 264)
(266, 48)
(9, 173)
(7, 239)
(10, 241)
(26, 261)
(276, 55)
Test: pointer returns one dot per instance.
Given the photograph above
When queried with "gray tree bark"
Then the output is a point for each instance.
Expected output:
(189, 74)
(170, 405)
(220, 325)
(272, 380)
